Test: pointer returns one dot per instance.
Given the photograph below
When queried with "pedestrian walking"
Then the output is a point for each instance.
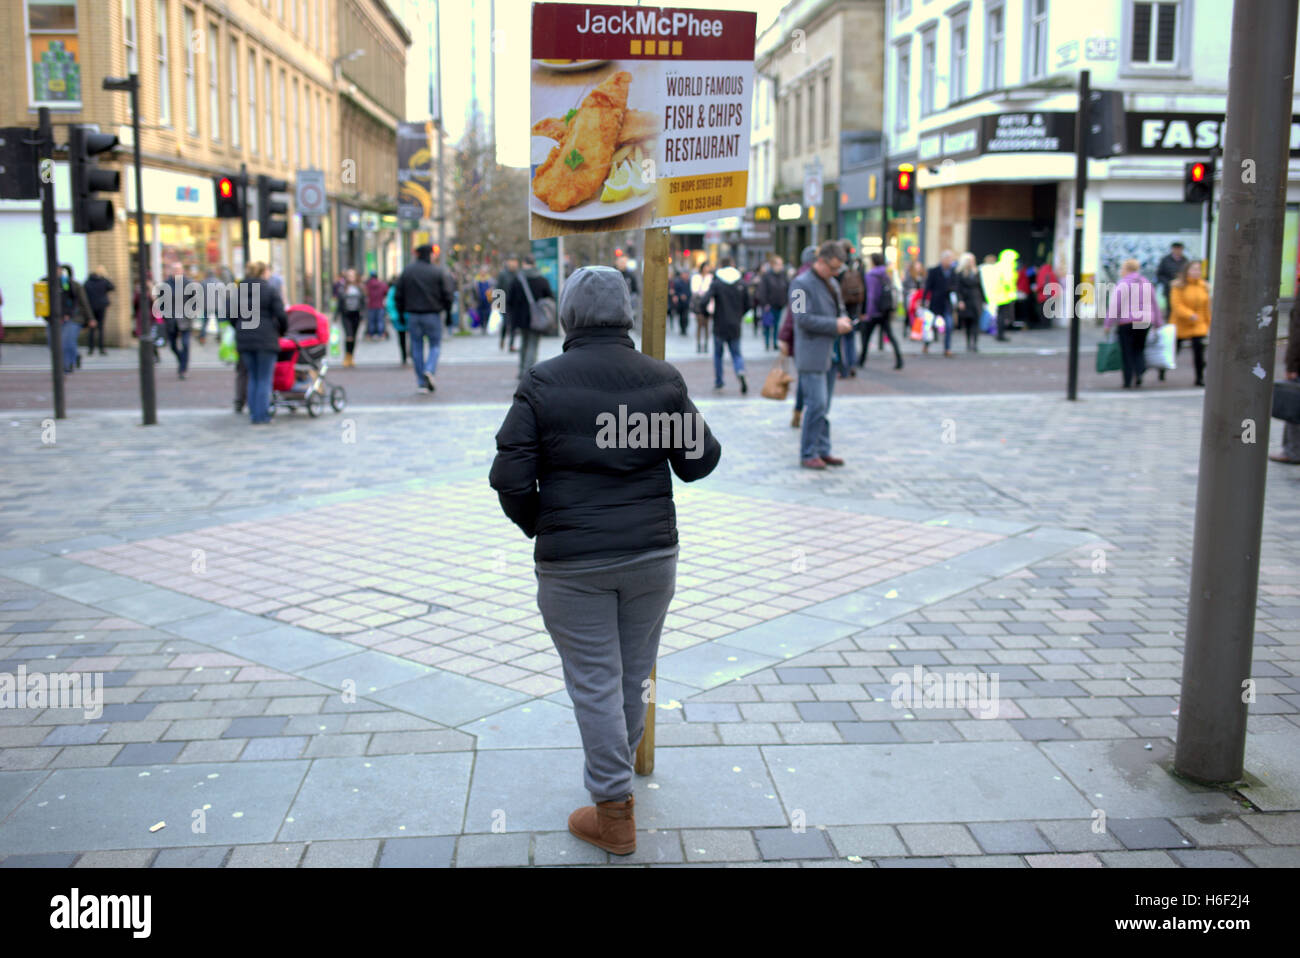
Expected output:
(881, 306)
(1004, 292)
(528, 287)
(1290, 453)
(819, 316)
(258, 341)
(853, 286)
(504, 280)
(1168, 270)
(772, 295)
(729, 300)
(938, 296)
(399, 325)
(605, 527)
(177, 321)
(424, 293)
(1189, 309)
(970, 300)
(700, 284)
(76, 316)
(679, 293)
(352, 300)
(376, 290)
(97, 287)
(1132, 310)
(785, 335)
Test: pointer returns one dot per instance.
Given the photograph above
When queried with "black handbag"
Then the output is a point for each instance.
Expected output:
(542, 316)
(1286, 400)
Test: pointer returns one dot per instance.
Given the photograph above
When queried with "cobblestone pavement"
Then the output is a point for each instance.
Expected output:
(320, 646)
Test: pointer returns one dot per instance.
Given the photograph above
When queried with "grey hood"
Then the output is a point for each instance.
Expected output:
(595, 296)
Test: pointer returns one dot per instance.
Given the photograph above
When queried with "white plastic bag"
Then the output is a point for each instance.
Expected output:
(494, 322)
(1161, 347)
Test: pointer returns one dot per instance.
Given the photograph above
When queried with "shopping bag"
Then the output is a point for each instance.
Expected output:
(336, 341)
(1286, 400)
(917, 328)
(227, 352)
(1108, 356)
(1161, 345)
(927, 324)
(777, 384)
(989, 322)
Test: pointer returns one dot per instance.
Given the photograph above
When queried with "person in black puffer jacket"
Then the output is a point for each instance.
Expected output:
(582, 467)
(260, 321)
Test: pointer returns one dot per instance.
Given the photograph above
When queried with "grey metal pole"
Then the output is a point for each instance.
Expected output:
(53, 274)
(1230, 491)
(1080, 188)
(144, 328)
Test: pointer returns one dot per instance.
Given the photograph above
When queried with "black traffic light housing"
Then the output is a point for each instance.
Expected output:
(89, 214)
(268, 209)
(903, 188)
(1198, 181)
(230, 196)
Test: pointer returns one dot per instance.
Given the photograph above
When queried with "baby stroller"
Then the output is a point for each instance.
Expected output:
(300, 368)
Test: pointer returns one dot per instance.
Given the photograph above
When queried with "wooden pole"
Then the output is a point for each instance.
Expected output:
(654, 328)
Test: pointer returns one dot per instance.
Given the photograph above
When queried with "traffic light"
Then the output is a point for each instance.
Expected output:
(268, 208)
(904, 197)
(1198, 181)
(229, 197)
(90, 215)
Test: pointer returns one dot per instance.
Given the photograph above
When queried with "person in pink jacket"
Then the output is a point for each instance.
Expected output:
(1132, 310)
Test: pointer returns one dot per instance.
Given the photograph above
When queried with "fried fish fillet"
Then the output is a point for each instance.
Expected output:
(575, 169)
(637, 125)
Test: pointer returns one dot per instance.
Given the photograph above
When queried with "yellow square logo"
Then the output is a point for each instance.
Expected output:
(663, 48)
(636, 48)
(677, 48)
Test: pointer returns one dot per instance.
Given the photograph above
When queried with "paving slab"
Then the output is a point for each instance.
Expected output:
(535, 724)
(711, 664)
(114, 808)
(284, 647)
(879, 784)
(448, 698)
(384, 796)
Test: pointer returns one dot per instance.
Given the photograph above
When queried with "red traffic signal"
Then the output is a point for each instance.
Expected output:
(1198, 172)
(904, 197)
(229, 198)
(1198, 180)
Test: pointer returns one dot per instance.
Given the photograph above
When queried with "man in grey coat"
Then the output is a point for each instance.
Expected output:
(819, 316)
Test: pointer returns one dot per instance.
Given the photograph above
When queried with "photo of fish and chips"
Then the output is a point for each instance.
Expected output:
(592, 154)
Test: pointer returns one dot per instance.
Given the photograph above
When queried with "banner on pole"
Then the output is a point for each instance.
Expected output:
(640, 116)
(415, 170)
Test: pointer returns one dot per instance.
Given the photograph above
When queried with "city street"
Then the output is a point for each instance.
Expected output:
(321, 647)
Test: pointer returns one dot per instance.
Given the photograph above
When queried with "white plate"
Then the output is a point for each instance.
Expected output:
(593, 209)
(570, 67)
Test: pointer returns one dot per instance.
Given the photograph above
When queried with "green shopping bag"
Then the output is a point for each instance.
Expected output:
(227, 353)
(336, 341)
(1108, 357)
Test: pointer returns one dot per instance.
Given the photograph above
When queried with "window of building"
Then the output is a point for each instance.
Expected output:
(1156, 36)
(323, 131)
(268, 109)
(235, 121)
(902, 8)
(297, 130)
(826, 108)
(812, 114)
(131, 39)
(214, 82)
(279, 9)
(902, 105)
(309, 117)
(252, 102)
(1036, 40)
(164, 80)
(284, 118)
(293, 15)
(798, 120)
(191, 82)
(928, 54)
(994, 47)
(960, 59)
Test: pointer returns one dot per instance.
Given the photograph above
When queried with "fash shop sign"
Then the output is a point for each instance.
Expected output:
(1180, 134)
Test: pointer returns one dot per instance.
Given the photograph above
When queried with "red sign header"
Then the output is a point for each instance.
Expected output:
(581, 31)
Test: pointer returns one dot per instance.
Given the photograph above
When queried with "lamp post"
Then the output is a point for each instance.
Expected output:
(144, 337)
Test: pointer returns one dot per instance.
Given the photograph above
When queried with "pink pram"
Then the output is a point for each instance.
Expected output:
(300, 368)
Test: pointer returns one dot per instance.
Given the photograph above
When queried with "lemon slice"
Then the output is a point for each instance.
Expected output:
(640, 184)
(619, 184)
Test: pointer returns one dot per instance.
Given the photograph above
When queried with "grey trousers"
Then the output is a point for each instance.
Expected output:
(1291, 440)
(606, 626)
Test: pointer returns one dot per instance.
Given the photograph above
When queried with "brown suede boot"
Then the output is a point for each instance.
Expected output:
(608, 825)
